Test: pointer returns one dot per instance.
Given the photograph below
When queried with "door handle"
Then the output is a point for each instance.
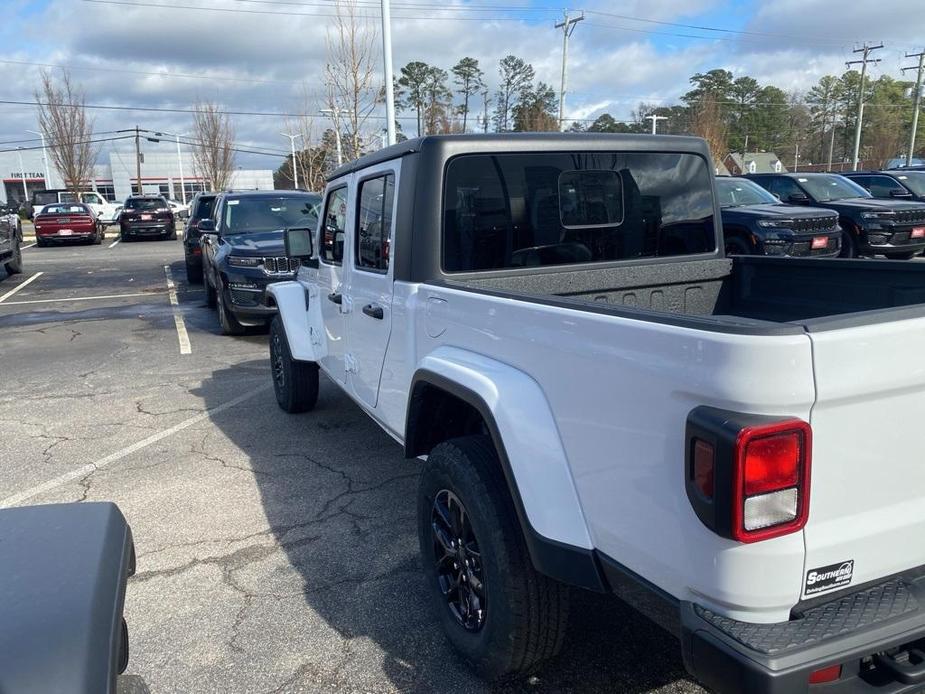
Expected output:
(336, 297)
(373, 311)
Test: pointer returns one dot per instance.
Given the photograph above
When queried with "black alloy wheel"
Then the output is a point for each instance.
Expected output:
(459, 561)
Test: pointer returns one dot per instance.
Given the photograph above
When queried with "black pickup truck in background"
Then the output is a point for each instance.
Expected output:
(898, 184)
(894, 228)
(757, 223)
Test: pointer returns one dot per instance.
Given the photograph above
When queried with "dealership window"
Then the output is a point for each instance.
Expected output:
(107, 191)
(193, 188)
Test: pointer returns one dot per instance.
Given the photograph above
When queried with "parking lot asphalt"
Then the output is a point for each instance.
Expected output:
(276, 553)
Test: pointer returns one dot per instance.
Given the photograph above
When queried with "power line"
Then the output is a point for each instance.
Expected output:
(68, 144)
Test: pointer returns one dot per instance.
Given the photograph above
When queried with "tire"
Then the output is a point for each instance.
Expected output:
(125, 238)
(230, 324)
(14, 265)
(523, 615)
(294, 382)
(849, 244)
(40, 242)
(172, 236)
(194, 273)
(736, 245)
(211, 298)
(909, 255)
(98, 239)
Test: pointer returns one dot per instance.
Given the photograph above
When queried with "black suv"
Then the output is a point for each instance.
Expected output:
(200, 208)
(243, 251)
(894, 228)
(757, 223)
(146, 215)
(902, 184)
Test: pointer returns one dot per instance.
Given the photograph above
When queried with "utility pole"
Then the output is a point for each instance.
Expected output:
(485, 111)
(568, 26)
(295, 169)
(387, 64)
(917, 99)
(180, 165)
(655, 119)
(796, 157)
(832, 144)
(44, 158)
(866, 50)
(138, 157)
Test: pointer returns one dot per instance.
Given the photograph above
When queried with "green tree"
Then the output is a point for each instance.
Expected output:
(436, 102)
(516, 76)
(412, 84)
(535, 110)
(468, 78)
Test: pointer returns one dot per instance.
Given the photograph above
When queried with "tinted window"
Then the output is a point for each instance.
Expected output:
(334, 227)
(735, 192)
(246, 215)
(517, 210)
(881, 186)
(146, 204)
(782, 187)
(374, 225)
(204, 207)
(914, 181)
(41, 197)
(830, 187)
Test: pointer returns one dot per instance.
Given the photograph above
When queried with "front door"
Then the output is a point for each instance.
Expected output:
(369, 280)
(332, 238)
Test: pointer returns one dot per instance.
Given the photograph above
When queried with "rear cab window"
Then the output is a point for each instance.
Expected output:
(505, 211)
(146, 204)
(204, 207)
(66, 208)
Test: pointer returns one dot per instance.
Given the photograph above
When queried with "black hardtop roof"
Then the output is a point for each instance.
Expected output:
(519, 142)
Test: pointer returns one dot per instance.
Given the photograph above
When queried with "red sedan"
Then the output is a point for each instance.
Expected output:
(67, 221)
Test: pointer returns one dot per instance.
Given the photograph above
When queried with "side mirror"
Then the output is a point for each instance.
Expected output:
(797, 198)
(207, 226)
(298, 242)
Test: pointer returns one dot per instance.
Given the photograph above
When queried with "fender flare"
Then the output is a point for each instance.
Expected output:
(533, 460)
(296, 310)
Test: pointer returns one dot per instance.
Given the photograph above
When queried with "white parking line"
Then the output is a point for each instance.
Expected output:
(22, 248)
(182, 335)
(82, 298)
(20, 286)
(114, 243)
(89, 468)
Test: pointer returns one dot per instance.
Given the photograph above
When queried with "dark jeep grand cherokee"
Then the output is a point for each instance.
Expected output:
(894, 228)
(757, 223)
(243, 251)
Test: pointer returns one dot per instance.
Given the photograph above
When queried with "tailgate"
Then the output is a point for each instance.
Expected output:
(867, 499)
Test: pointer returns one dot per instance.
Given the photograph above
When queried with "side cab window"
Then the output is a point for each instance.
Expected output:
(333, 227)
(374, 223)
(783, 187)
(883, 186)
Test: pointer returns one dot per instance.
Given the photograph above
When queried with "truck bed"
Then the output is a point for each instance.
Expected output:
(748, 294)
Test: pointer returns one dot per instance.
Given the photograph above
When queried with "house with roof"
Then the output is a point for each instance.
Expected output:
(753, 162)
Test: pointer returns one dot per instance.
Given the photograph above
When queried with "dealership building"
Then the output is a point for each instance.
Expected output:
(161, 172)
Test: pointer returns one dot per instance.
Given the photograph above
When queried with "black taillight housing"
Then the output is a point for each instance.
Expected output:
(747, 476)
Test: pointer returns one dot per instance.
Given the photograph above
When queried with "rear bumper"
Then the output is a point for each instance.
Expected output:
(147, 229)
(77, 235)
(858, 631)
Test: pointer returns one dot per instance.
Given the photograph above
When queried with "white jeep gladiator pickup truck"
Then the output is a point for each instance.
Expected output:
(603, 400)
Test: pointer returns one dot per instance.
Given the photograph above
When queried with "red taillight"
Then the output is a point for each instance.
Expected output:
(771, 480)
(826, 674)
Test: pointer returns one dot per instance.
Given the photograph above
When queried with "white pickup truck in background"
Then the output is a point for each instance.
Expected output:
(603, 400)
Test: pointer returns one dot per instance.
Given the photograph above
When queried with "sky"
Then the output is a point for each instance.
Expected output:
(267, 56)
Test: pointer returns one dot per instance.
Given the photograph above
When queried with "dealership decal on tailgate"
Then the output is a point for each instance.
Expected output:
(828, 577)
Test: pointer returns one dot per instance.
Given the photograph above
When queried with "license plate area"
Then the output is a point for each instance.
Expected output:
(147, 217)
(65, 232)
(918, 233)
(820, 242)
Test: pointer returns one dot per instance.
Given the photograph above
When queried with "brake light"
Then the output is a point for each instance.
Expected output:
(748, 476)
(771, 480)
(826, 674)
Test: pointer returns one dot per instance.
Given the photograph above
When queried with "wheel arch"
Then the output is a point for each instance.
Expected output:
(442, 405)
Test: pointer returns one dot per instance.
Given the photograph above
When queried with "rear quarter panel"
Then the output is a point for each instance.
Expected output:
(620, 391)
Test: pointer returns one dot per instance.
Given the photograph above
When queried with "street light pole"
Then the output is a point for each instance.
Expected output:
(180, 164)
(655, 119)
(44, 157)
(295, 169)
(335, 116)
(387, 63)
(22, 172)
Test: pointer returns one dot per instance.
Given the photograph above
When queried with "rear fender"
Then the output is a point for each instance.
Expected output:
(300, 313)
(525, 435)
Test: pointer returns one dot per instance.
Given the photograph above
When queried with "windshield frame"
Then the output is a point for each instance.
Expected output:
(767, 198)
(313, 200)
(808, 183)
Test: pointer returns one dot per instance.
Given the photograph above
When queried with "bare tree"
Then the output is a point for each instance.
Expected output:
(351, 75)
(707, 122)
(213, 151)
(69, 130)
